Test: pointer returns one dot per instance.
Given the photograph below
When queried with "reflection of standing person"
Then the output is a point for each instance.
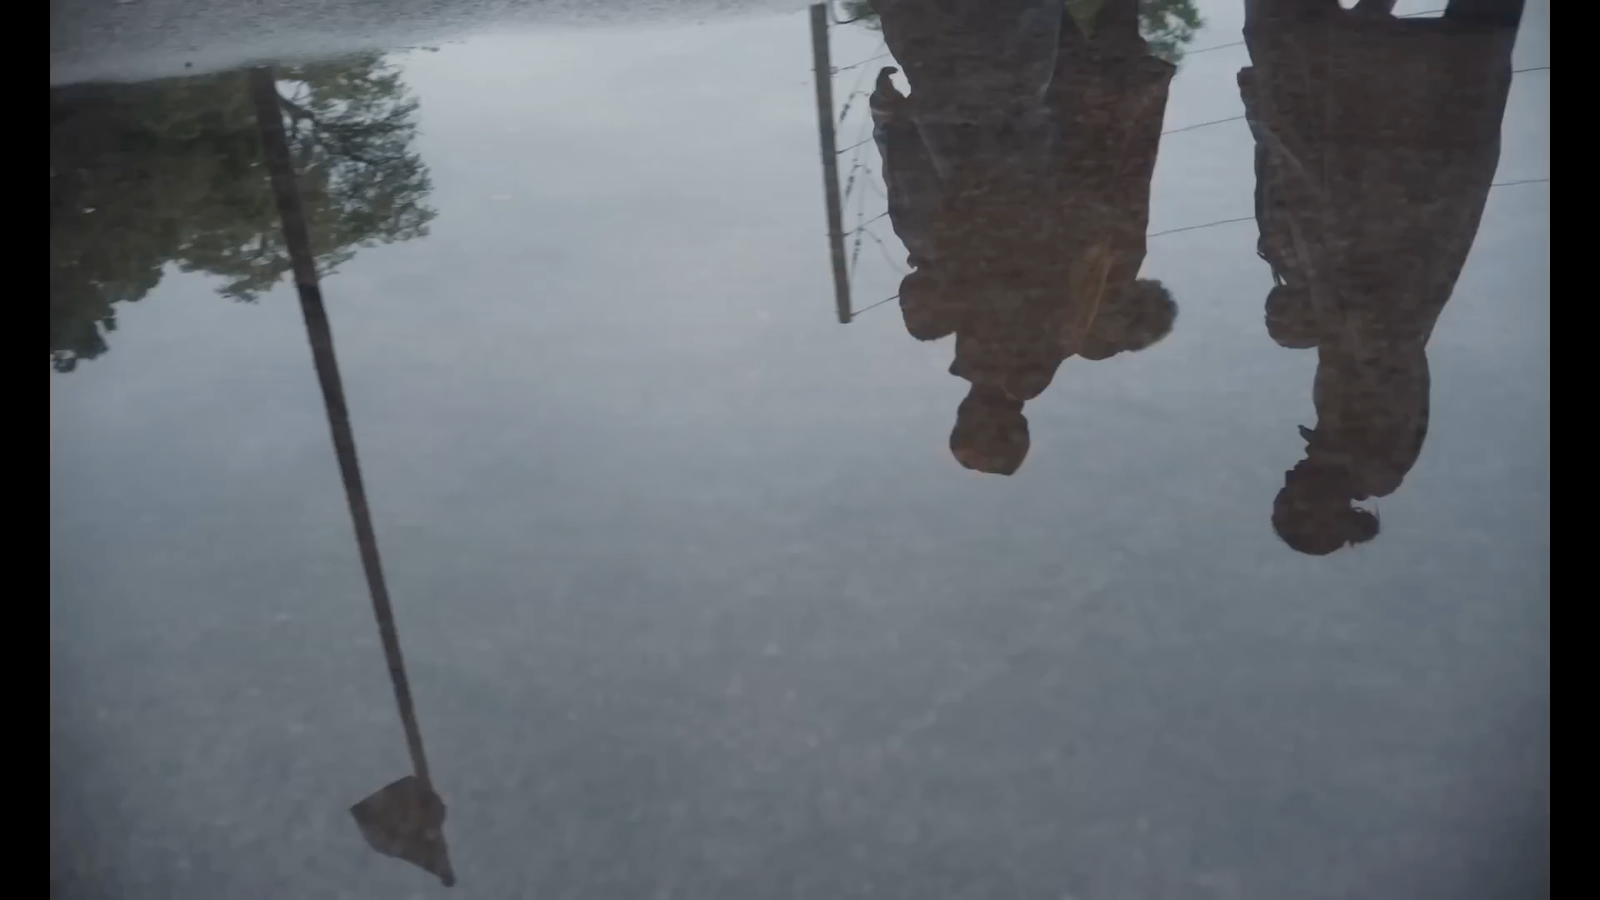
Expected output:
(1018, 173)
(1377, 139)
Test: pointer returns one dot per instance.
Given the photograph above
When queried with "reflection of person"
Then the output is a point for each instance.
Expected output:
(1376, 142)
(1018, 173)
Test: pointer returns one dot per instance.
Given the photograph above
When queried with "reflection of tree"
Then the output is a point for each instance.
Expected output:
(166, 172)
(1167, 25)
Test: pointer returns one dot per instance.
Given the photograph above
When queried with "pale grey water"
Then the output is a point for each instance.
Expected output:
(696, 603)
(129, 40)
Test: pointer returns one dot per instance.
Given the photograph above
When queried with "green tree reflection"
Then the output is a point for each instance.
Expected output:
(1168, 25)
(169, 172)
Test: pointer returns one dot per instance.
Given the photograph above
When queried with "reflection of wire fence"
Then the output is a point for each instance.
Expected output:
(862, 176)
(858, 65)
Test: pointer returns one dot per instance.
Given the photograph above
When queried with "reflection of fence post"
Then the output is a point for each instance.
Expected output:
(823, 73)
(418, 837)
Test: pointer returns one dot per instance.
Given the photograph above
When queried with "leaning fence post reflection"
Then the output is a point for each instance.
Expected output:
(822, 71)
(405, 818)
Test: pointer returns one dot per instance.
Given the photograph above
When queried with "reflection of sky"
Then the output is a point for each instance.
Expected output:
(687, 577)
(130, 40)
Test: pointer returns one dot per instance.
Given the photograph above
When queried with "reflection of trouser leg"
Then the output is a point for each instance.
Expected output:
(1499, 12)
(1118, 20)
(1256, 10)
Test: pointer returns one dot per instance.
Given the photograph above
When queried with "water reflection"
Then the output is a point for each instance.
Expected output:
(143, 176)
(1018, 172)
(1377, 139)
(631, 654)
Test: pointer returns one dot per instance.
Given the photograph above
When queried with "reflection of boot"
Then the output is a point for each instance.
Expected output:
(406, 820)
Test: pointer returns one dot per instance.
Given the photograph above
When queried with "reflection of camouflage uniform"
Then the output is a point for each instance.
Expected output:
(1018, 168)
(1381, 137)
(1110, 97)
(1377, 139)
(966, 154)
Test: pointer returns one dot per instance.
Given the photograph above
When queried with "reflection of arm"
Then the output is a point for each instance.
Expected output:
(1252, 115)
(908, 173)
(1275, 243)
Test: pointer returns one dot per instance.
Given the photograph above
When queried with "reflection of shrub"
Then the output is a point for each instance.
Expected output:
(1166, 25)
(144, 175)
